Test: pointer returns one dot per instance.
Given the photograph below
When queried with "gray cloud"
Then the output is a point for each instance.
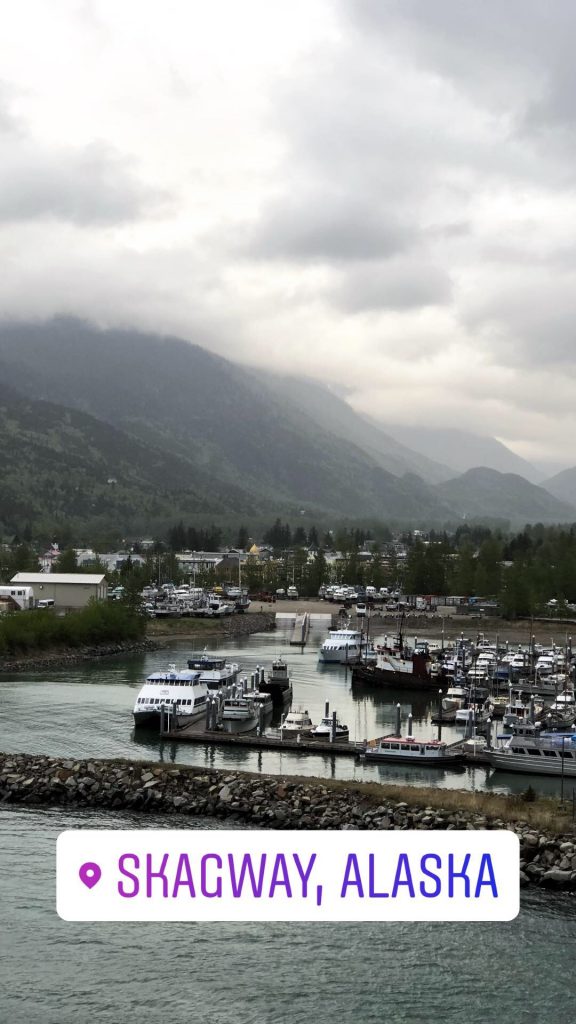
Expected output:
(90, 186)
(329, 226)
(401, 284)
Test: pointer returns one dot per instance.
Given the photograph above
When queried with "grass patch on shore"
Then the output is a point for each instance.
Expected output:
(540, 812)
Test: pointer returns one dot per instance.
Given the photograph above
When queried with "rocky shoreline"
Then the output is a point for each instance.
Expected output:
(237, 625)
(547, 859)
(73, 655)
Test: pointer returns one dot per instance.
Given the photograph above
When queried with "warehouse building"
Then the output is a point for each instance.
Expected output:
(68, 591)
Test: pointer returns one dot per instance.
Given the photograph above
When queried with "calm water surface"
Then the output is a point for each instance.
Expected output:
(86, 711)
(55, 972)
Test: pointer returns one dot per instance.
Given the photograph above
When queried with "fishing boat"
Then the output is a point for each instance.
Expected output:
(398, 664)
(534, 752)
(181, 691)
(278, 684)
(408, 750)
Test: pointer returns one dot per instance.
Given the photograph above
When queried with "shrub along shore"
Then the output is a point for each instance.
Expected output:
(547, 842)
(48, 641)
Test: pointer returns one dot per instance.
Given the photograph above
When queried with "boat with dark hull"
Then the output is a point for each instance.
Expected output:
(278, 684)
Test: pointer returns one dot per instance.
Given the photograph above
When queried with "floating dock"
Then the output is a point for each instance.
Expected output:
(190, 734)
(301, 630)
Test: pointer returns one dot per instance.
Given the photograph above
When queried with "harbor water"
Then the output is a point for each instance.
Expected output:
(56, 972)
(86, 711)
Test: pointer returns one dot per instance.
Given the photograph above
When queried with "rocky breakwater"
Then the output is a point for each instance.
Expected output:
(260, 802)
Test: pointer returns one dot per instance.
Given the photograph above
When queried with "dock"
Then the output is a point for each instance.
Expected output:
(192, 734)
(251, 741)
(301, 630)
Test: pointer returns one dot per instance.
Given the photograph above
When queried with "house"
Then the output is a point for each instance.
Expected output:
(68, 590)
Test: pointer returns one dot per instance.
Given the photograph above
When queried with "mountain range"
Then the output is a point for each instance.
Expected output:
(141, 430)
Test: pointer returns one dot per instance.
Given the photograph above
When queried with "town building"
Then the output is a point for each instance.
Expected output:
(68, 591)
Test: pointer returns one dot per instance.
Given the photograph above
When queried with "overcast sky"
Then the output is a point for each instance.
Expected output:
(376, 193)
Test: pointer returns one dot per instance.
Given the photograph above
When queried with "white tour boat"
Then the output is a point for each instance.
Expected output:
(183, 690)
(343, 647)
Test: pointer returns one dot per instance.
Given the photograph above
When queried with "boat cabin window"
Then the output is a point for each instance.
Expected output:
(405, 746)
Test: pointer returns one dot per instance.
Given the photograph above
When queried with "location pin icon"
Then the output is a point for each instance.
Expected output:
(90, 874)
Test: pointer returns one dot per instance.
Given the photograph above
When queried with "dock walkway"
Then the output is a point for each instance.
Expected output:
(192, 734)
(301, 630)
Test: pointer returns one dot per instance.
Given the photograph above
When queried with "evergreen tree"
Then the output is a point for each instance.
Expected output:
(67, 562)
(242, 538)
(313, 541)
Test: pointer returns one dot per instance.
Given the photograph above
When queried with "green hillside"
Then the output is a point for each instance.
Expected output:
(217, 416)
(58, 466)
(485, 492)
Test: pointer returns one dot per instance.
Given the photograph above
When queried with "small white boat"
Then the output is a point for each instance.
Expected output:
(456, 697)
(323, 730)
(565, 703)
(297, 723)
(463, 715)
(237, 709)
(474, 745)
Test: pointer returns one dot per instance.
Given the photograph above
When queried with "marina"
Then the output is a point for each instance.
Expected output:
(86, 710)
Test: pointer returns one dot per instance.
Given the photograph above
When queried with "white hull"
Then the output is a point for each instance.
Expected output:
(348, 657)
(529, 764)
(151, 716)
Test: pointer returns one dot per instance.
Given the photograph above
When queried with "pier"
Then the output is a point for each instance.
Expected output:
(195, 733)
(301, 630)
